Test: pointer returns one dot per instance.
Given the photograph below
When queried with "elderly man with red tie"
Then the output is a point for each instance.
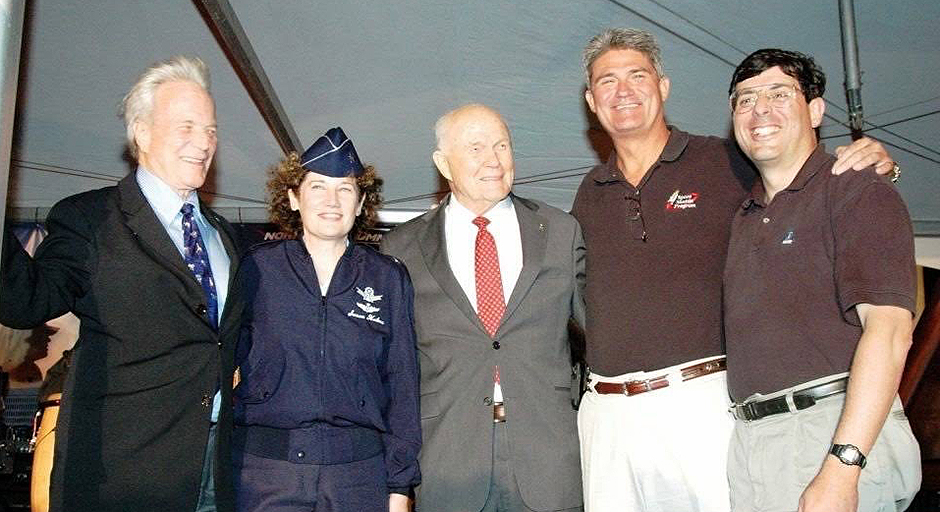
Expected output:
(496, 277)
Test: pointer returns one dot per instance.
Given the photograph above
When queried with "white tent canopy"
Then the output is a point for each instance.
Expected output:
(385, 71)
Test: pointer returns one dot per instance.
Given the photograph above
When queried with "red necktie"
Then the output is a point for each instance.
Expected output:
(490, 303)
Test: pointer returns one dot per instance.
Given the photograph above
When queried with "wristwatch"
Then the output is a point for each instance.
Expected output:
(849, 454)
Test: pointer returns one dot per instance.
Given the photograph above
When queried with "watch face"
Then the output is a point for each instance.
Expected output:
(850, 454)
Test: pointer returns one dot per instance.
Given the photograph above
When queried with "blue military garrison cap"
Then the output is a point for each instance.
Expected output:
(334, 155)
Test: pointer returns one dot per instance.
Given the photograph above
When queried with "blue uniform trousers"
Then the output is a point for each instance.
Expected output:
(270, 485)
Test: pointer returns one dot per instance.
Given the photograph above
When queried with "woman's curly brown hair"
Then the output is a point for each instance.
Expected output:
(288, 175)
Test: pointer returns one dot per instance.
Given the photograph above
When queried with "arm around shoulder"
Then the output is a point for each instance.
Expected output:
(863, 153)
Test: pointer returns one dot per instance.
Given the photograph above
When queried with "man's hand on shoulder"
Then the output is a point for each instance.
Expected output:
(835, 488)
(862, 153)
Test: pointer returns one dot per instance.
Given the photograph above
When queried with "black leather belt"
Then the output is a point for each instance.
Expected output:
(802, 399)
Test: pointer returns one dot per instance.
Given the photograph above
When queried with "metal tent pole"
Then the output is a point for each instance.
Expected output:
(11, 37)
(853, 78)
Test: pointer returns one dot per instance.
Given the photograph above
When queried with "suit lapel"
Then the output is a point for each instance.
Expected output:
(154, 240)
(434, 249)
(143, 223)
(533, 229)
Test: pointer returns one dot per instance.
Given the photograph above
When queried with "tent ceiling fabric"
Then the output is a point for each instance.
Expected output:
(385, 71)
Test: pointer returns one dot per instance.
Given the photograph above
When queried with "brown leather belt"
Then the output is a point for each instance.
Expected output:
(499, 413)
(635, 387)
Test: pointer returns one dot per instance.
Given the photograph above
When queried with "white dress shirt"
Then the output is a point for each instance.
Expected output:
(460, 234)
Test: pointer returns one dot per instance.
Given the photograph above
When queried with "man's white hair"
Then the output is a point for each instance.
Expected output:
(137, 104)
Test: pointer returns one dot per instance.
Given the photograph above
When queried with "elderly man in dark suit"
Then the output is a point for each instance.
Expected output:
(146, 269)
(496, 278)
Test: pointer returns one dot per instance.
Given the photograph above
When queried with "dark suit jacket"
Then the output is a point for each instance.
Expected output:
(457, 358)
(135, 411)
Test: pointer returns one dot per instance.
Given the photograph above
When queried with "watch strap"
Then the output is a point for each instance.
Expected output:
(849, 454)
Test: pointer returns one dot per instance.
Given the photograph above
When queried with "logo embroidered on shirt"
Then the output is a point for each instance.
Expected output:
(368, 308)
(680, 201)
(370, 317)
(369, 296)
(788, 238)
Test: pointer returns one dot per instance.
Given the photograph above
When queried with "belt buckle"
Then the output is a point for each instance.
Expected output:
(750, 411)
(644, 384)
(745, 412)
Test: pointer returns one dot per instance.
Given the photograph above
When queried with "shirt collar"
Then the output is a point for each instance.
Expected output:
(817, 161)
(675, 146)
(164, 201)
(459, 213)
(344, 276)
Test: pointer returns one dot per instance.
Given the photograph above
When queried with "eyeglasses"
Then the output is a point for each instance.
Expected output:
(779, 95)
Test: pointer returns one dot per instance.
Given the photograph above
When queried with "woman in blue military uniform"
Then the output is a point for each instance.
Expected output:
(326, 409)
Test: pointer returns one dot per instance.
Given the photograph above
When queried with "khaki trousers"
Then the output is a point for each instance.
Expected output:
(773, 459)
